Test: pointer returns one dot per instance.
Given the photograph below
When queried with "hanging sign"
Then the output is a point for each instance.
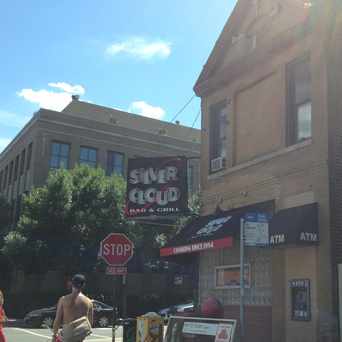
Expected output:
(156, 187)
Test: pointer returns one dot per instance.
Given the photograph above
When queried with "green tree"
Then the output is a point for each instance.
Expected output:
(62, 223)
(67, 218)
(5, 216)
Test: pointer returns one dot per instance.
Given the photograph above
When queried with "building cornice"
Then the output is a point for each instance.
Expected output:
(259, 56)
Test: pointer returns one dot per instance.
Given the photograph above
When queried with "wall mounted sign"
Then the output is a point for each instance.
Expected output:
(300, 299)
(156, 187)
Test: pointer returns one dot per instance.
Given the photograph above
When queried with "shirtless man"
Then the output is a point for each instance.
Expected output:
(73, 306)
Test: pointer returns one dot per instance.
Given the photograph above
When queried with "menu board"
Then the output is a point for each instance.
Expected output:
(198, 329)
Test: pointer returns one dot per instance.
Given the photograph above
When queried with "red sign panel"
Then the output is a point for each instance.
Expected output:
(116, 249)
(197, 247)
(114, 270)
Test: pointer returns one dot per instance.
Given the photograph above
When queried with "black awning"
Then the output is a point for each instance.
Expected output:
(296, 226)
(214, 231)
(206, 232)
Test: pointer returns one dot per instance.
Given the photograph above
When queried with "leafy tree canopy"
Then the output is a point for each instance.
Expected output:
(62, 223)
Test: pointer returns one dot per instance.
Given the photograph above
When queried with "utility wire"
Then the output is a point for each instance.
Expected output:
(180, 111)
(196, 118)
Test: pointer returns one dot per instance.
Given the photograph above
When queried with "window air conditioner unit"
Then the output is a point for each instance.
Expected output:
(217, 164)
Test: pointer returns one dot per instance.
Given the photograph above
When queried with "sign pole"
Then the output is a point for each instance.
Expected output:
(124, 296)
(114, 310)
(242, 279)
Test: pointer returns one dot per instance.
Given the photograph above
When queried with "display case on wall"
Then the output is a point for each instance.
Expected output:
(300, 299)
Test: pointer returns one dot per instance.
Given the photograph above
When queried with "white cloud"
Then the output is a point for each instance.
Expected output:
(141, 48)
(50, 99)
(68, 88)
(3, 143)
(9, 119)
(145, 109)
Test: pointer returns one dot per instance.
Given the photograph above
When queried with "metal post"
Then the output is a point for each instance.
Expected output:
(242, 279)
(114, 309)
(124, 297)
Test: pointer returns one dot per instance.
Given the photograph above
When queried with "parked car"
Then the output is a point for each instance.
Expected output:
(173, 310)
(103, 316)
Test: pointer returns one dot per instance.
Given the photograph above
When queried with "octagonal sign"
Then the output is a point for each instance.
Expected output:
(116, 249)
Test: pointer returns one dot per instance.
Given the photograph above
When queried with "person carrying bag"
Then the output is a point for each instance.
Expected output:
(74, 313)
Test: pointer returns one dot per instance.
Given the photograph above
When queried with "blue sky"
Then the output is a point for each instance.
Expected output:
(141, 56)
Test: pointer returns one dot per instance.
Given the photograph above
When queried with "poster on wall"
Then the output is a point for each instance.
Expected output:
(300, 299)
(156, 187)
(229, 276)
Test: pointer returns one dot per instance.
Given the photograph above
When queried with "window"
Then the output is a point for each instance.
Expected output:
(16, 168)
(229, 276)
(88, 156)
(29, 157)
(59, 156)
(115, 163)
(217, 137)
(299, 101)
(22, 162)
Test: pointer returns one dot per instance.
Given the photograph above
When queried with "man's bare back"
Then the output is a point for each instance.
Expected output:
(74, 307)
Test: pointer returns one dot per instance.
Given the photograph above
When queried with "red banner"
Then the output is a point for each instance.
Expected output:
(197, 247)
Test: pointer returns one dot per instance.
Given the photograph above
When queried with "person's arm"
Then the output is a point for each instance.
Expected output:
(91, 313)
(59, 318)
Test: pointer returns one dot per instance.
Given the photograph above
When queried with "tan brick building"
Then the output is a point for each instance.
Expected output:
(85, 133)
(271, 141)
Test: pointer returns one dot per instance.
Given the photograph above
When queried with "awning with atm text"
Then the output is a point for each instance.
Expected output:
(206, 232)
(295, 226)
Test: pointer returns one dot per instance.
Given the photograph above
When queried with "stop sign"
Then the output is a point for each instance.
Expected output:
(116, 249)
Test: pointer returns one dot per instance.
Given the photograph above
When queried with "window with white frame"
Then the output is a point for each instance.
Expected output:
(299, 121)
(218, 122)
(228, 277)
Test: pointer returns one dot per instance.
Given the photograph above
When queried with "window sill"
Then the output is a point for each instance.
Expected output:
(261, 159)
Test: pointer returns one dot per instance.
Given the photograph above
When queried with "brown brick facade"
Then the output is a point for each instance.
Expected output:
(263, 164)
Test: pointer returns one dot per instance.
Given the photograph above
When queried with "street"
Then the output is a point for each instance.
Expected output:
(36, 335)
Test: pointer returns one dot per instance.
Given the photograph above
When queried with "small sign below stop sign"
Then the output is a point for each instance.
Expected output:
(116, 249)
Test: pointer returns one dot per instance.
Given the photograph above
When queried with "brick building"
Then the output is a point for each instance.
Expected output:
(271, 144)
(85, 133)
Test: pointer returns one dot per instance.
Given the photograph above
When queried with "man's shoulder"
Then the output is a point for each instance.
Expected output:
(87, 300)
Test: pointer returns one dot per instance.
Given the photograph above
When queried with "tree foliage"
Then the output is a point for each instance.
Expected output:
(64, 221)
(5, 215)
